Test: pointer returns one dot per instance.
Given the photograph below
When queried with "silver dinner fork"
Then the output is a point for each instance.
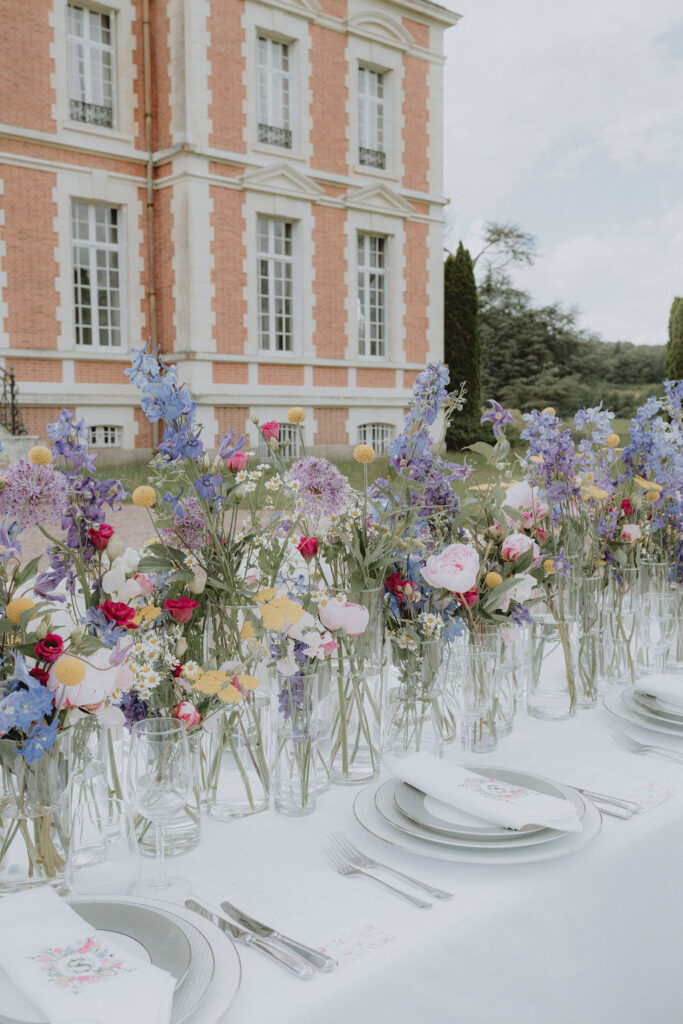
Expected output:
(344, 867)
(645, 748)
(361, 860)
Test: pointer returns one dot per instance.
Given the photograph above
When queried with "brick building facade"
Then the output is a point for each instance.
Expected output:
(255, 184)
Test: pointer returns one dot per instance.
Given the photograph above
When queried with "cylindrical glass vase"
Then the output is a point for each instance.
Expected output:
(415, 708)
(237, 752)
(182, 833)
(554, 671)
(295, 739)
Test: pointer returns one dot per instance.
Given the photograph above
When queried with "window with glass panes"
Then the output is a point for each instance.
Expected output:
(105, 436)
(371, 117)
(275, 284)
(379, 435)
(273, 92)
(289, 443)
(372, 295)
(90, 58)
(97, 283)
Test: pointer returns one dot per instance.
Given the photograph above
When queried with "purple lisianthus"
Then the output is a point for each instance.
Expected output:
(34, 494)
(320, 488)
(498, 417)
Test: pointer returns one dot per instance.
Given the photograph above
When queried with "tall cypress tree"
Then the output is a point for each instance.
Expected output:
(674, 347)
(462, 345)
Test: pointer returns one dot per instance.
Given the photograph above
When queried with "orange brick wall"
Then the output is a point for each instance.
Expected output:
(26, 93)
(329, 288)
(372, 378)
(280, 375)
(415, 124)
(331, 425)
(41, 151)
(160, 26)
(336, 8)
(230, 373)
(144, 437)
(417, 299)
(328, 109)
(418, 31)
(330, 377)
(30, 238)
(97, 372)
(227, 276)
(226, 80)
(163, 268)
(46, 370)
(231, 417)
(37, 417)
(409, 379)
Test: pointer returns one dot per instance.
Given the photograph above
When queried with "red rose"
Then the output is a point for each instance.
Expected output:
(101, 535)
(270, 429)
(181, 609)
(237, 462)
(178, 670)
(50, 648)
(118, 613)
(470, 598)
(308, 548)
(627, 507)
(402, 589)
(40, 674)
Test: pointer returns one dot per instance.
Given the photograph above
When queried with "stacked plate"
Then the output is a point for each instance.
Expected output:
(200, 957)
(405, 817)
(636, 708)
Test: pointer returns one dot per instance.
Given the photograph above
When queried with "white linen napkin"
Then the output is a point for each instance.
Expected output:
(666, 687)
(70, 973)
(500, 803)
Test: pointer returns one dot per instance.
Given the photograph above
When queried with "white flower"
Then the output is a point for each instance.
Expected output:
(255, 475)
(192, 563)
(264, 465)
(241, 476)
(272, 485)
(249, 487)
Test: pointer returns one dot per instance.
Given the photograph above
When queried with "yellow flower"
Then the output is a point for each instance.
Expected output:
(612, 440)
(296, 415)
(280, 610)
(594, 492)
(647, 485)
(493, 579)
(266, 595)
(652, 495)
(39, 455)
(147, 614)
(15, 608)
(247, 631)
(248, 682)
(69, 671)
(211, 682)
(144, 496)
(549, 409)
(231, 695)
(364, 453)
(536, 458)
(549, 567)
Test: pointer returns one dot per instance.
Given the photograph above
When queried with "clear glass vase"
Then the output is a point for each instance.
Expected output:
(236, 758)
(553, 668)
(294, 744)
(415, 707)
(357, 684)
(618, 646)
(182, 833)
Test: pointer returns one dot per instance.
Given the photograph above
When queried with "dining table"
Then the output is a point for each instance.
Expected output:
(594, 937)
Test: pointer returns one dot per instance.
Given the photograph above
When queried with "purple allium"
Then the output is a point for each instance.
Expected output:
(189, 527)
(34, 494)
(320, 488)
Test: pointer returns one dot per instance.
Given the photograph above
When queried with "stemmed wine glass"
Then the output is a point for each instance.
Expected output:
(657, 625)
(160, 783)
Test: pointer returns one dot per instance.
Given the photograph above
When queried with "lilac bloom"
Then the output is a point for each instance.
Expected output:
(498, 417)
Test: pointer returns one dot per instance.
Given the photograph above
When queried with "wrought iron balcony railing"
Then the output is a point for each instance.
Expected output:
(275, 136)
(91, 113)
(10, 413)
(372, 157)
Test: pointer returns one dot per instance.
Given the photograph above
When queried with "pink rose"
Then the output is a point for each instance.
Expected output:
(515, 544)
(187, 713)
(352, 618)
(270, 429)
(455, 569)
(237, 462)
(631, 533)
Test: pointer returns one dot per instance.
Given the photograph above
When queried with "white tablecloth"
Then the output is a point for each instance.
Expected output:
(593, 938)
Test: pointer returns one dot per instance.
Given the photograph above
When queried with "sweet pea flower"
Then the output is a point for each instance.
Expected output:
(340, 614)
(631, 533)
(271, 430)
(515, 544)
(145, 584)
(455, 569)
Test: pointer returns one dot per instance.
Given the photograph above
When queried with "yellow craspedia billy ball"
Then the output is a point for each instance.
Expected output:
(364, 453)
(612, 440)
(69, 671)
(652, 496)
(39, 455)
(493, 579)
(296, 415)
(144, 496)
(15, 608)
(549, 410)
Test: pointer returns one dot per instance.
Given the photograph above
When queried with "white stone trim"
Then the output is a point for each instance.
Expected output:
(188, 41)
(193, 260)
(435, 293)
(4, 309)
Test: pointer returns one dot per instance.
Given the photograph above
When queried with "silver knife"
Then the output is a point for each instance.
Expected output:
(293, 963)
(320, 961)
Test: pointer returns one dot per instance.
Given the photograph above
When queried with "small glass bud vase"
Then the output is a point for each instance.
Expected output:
(415, 716)
(554, 671)
(295, 732)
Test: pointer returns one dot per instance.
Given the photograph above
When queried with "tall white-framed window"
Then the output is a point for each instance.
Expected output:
(90, 59)
(276, 297)
(105, 436)
(274, 91)
(379, 435)
(289, 443)
(372, 117)
(372, 295)
(97, 260)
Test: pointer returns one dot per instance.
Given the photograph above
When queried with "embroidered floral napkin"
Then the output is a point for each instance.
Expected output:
(449, 786)
(69, 972)
(667, 688)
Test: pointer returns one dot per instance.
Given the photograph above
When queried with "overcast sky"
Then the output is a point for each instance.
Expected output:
(567, 118)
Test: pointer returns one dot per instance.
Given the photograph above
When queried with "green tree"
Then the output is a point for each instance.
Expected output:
(462, 346)
(674, 348)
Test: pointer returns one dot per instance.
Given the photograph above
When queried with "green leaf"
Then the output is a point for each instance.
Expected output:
(27, 572)
(481, 448)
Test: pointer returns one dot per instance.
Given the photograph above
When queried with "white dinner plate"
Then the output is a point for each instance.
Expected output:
(654, 706)
(369, 818)
(615, 705)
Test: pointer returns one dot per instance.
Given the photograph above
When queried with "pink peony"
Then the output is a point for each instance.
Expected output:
(352, 618)
(455, 569)
(237, 462)
(521, 496)
(187, 713)
(631, 533)
(515, 544)
(270, 429)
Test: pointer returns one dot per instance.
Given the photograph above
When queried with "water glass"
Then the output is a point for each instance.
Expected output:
(103, 852)
(657, 626)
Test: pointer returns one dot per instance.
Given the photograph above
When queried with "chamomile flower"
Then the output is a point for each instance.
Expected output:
(250, 486)
(241, 476)
(254, 475)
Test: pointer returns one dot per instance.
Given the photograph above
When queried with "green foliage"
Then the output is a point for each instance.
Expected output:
(674, 348)
(462, 346)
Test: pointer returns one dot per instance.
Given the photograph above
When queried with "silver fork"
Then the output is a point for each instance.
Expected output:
(341, 865)
(645, 748)
(361, 860)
